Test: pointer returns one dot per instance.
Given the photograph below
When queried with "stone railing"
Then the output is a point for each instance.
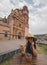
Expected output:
(6, 36)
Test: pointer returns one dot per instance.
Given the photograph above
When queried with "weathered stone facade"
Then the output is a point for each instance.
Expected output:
(15, 24)
(4, 28)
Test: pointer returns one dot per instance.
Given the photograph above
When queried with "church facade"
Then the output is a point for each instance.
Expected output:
(15, 25)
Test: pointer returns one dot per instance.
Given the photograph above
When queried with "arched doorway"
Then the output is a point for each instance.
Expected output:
(19, 35)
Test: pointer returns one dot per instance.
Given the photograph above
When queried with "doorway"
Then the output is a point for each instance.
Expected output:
(19, 35)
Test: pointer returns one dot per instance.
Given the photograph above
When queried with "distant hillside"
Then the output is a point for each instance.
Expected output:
(41, 36)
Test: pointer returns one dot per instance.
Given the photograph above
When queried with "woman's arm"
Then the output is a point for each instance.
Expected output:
(34, 49)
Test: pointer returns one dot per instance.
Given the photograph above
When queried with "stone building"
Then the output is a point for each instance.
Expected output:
(16, 24)
(4, 28)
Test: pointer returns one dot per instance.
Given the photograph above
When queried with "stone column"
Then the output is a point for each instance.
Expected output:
(11, 27)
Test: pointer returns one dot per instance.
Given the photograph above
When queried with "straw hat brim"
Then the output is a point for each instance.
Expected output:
(35, 39)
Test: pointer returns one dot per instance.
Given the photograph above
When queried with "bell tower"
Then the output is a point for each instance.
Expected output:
(26, 18)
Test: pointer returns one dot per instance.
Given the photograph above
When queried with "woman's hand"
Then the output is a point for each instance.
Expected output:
(34, 50)
(32, 44)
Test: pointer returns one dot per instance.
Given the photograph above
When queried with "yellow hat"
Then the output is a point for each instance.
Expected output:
(21, 45)
(31, 36)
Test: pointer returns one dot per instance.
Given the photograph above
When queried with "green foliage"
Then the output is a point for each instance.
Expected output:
(6, 62)
(42, 49)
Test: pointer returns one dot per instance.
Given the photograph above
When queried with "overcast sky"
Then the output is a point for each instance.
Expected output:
(37, 13)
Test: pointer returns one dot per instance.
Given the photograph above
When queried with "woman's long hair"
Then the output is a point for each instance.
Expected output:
(29, 47)
(34, 44)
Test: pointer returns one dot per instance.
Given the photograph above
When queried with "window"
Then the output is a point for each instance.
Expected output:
(19, 25)
(5, 20)
(19, 33)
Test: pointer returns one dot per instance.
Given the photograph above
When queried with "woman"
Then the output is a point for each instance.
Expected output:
(31, 47)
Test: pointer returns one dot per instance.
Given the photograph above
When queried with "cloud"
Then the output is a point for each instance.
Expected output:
(37, 13)
(38, 21)
(6, 7)
(37, 25)
(38, 17)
